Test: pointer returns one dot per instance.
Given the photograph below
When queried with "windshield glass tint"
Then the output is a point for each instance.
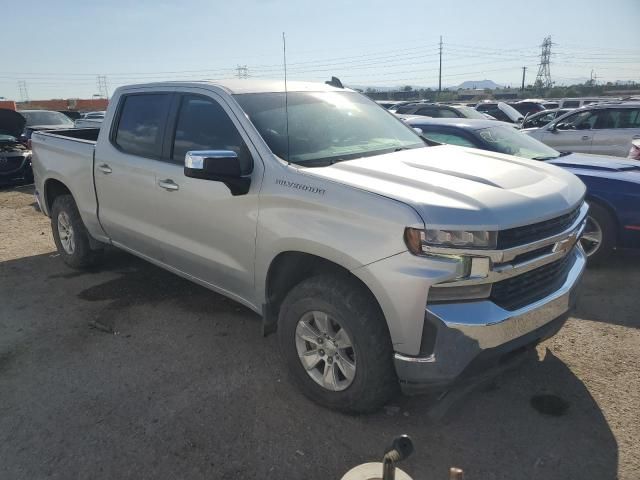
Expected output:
(510, 141)
(46, 118)
(325, 127)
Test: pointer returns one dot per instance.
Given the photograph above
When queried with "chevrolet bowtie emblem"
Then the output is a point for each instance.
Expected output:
(566, 244)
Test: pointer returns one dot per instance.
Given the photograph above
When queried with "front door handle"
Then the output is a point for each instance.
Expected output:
(586, 137)
(104, 168)
(168, 184)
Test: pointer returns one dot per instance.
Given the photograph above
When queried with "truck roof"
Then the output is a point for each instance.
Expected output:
(238, 86)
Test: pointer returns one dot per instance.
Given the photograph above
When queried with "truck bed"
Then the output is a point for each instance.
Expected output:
(67, 155)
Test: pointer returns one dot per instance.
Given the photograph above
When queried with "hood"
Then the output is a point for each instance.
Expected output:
(602, 166)
(456, 187)
(514, 115)
(11, 122)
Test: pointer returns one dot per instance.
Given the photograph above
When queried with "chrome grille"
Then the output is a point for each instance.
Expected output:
(8, 164)
(517, 236)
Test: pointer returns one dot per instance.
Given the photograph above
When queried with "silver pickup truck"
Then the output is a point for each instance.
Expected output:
(381, 261)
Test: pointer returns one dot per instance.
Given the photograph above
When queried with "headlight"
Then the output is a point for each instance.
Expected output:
(418, 241)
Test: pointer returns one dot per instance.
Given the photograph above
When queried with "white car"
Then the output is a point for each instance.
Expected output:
(603, 129)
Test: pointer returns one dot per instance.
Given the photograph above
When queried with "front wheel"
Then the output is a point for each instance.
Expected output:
(599, 237)
(70, 235)
(336, 345)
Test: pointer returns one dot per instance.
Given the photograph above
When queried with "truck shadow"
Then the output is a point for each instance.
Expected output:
(189, 385)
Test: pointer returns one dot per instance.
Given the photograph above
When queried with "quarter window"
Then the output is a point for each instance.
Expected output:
(141, 124)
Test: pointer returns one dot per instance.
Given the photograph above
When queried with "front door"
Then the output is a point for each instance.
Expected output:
(574, 133)
(206, 232)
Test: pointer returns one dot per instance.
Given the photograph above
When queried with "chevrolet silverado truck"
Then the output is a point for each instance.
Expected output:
(380, 261)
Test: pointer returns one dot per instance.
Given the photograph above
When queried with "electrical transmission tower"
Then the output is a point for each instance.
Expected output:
(543, 79)
(242, 71)
(24, 93)
(103, 88)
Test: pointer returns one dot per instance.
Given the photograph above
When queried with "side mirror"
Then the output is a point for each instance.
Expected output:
(218, 166)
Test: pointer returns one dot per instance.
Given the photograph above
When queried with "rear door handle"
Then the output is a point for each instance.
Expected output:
(586, 137)
(104, 168)
(168, 184)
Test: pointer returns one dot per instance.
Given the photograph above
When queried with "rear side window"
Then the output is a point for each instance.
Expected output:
(571, 104)
(446, 113)
(204, 125)
(141, 124)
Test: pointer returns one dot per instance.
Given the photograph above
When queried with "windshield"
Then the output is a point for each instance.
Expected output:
(45, 117)
(325, 127)
(508, 140)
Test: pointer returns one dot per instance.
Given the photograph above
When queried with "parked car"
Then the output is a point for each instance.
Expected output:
(544, 117)
(613, 184)
(43, 120)
(501, 111)
(527, 107)
(15, 157)
(581, 102)
(437, 110)
(380, 261)
(94, 115)
(88, 122)
(604, 129)
(551, 104)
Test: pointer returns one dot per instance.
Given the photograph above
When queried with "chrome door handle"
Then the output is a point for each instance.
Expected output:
(586, 137)
(168, 184)
(104, 168)
(636, 137)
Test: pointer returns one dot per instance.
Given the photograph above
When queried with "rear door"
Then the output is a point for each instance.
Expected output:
(125, 172)
(205, 231)
(615, 129)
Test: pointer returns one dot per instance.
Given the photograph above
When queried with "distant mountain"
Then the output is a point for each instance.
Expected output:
(478, 85)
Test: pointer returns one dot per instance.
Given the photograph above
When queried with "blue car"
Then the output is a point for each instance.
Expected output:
(613, 183)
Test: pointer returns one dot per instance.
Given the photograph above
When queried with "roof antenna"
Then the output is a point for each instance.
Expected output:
(286, 95)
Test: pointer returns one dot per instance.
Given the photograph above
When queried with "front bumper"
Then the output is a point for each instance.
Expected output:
(474, 336)
(21, 171)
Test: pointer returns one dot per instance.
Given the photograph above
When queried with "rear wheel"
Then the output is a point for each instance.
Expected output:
(70, 234)
(336, 345)
(599, 237)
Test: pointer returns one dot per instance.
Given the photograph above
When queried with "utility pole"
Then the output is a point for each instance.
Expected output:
(543, 79)
(440, 70)
(24, 93)
(242, 71)
(524, 71)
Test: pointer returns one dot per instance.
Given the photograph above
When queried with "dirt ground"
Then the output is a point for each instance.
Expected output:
(130, 372)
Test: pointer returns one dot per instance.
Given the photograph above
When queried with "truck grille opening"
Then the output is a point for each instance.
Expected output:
(514, 237)
(517, 292)
(9, 164)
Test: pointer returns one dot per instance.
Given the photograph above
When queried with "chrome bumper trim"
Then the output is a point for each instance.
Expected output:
(491, 325)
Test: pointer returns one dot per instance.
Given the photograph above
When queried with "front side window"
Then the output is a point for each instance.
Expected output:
(578, 121)
(204, 125)
(325, 127)
(141, 124)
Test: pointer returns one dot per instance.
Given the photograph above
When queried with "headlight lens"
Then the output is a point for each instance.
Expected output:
(418, 241)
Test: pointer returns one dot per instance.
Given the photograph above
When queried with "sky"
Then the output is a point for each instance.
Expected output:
(59, 48)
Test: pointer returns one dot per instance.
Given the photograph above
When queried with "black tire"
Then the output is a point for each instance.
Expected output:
(353, 307)
(82, 255)
(607, 224)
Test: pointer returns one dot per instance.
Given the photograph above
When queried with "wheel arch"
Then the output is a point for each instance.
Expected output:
(604, 204)
(288, 268)
(53, 188)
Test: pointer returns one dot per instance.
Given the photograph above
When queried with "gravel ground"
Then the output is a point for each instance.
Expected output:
(131, 372)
